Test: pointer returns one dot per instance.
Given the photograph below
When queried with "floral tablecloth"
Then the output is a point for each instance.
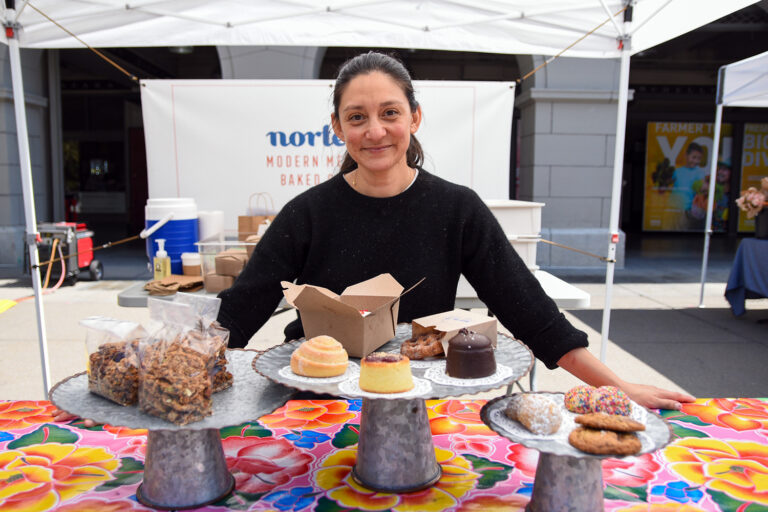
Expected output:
(299, 458)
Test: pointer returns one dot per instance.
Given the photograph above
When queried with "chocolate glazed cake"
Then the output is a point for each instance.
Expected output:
(470, 356)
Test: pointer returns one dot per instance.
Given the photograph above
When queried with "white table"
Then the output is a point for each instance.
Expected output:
(565, 295)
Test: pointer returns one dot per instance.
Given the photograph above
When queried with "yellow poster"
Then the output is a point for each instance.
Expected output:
(677, 176)
(754, 164)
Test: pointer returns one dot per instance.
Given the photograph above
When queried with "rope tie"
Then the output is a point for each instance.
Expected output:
(601, 258)
(94, 249)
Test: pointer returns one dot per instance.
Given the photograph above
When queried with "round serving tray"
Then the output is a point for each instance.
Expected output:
(657, 432)
(513, 359)
(250, 397)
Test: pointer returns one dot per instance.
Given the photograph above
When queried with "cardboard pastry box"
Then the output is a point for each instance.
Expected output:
(231, 262)
(324, 312)
(215, 283)
(451, 322)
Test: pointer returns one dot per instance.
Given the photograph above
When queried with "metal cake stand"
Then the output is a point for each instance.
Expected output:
(395, 449)
(184, 465)
(567, 478)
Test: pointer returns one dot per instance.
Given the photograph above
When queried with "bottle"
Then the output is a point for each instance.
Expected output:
(162, 262)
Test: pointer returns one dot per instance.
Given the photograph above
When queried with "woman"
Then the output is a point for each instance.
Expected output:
(384, 213)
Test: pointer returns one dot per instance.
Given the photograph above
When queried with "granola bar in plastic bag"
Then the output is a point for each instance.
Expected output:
(178, 360)
(113, 359)
(208, 310)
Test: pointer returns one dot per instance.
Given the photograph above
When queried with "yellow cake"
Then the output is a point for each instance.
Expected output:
(321, 356)
(381, 372)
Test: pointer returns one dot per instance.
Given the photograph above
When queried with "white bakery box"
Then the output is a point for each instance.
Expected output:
(521, 222)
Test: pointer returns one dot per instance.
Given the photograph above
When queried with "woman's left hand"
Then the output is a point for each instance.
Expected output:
(61, 416)
(656, 398)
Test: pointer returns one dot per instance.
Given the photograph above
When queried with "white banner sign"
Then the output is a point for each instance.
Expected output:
(219, 141)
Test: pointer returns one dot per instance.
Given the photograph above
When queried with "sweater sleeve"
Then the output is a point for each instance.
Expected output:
(510, 290)
(256, 293)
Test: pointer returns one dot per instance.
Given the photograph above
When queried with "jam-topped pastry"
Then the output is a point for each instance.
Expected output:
(381, 372)
(421, 347)
(470, 356)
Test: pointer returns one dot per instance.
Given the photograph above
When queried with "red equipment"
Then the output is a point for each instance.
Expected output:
(76, 242)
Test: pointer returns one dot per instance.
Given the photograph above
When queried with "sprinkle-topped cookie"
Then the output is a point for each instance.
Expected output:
(611, 400)
(607, 399)
(579, 399)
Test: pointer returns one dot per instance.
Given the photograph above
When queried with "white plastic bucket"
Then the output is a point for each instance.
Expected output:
(180, 233)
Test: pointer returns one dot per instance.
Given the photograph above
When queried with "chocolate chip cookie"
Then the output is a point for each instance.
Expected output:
(604, 442)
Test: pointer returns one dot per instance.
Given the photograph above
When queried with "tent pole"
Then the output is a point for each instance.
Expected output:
(710, 199)
(25, 167)
(618, 165)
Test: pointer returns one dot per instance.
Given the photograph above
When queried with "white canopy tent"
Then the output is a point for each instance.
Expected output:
(541, 27)
(740, 84)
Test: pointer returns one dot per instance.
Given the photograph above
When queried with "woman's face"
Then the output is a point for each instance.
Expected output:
(376, 122)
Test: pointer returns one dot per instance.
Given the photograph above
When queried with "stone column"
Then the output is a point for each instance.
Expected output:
(568, 122)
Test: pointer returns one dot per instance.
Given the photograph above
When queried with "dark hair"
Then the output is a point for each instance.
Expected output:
(364, 64)
(694, 147)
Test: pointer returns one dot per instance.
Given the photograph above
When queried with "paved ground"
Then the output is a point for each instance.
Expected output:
(657, 334)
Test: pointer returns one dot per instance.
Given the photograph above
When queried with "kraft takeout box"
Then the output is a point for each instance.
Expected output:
(215, 283)
(231, 262)
(451, 322)
(325, 313)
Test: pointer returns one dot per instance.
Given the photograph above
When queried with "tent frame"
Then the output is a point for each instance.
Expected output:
(752, 93)
(25, 167)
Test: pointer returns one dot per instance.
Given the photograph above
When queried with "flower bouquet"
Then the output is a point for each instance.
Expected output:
(753, 200)
(755, 203)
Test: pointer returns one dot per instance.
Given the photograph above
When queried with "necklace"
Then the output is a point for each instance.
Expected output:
(411, 172)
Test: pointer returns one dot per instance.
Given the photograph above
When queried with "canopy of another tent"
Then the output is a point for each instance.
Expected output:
(739, 84)
(745, 83)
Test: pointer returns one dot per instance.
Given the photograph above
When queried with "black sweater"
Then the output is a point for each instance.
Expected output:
(332, 236)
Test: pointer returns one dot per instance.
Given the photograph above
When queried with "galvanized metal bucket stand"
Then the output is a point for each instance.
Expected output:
(184, 465)
(565, 483)
(566, 478)
(395, 451)
(184, 469)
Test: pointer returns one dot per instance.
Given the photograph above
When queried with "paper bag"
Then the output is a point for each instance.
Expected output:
(261, 210)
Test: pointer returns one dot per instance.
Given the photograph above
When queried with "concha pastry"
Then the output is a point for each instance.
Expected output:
(382, 372)
(538, 413)
(321, 356)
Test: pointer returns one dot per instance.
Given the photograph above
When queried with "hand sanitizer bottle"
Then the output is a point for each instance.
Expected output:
(162, 263)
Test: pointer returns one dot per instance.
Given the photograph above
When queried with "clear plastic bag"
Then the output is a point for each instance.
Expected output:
(113, 360)
(179, 360)
(208, 310)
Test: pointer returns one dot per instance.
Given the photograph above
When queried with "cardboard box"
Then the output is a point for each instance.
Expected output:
(324, 312)
(215, 283)
(251, 241)
(451, 322)
(231, 262)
